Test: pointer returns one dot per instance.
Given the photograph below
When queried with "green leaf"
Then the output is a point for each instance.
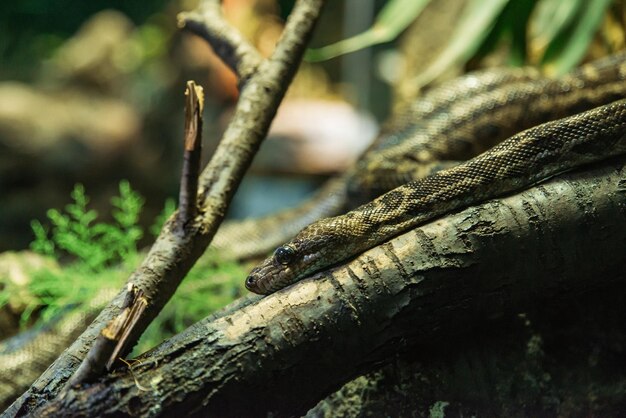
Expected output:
(5, 297)
(42, 244)
(473, 27)
(79, 196)
(518, 17)
(395, 17)
(552, 17)
(128, 205)
(510, 26)
(569, 47)
(128, 208)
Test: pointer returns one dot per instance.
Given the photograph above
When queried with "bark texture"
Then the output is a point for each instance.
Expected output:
(564, 358)
(283, 353)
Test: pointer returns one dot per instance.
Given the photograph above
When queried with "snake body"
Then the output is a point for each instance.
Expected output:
(253, 237)
(27, 355)
(470, 126)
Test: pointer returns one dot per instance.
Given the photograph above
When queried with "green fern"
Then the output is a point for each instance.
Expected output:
(98, 257)
(92, 246)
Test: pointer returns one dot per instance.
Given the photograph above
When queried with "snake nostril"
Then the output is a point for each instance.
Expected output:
(250, 281)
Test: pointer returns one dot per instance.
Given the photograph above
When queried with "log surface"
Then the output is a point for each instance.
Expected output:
(285, 352)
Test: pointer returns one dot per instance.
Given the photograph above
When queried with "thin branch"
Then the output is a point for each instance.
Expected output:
(227, 42)
(255, 111)
(187, 200)
(173, 254)
(114, 337)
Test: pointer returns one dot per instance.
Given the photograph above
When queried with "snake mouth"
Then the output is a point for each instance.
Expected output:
(263, 279)
(257, 282)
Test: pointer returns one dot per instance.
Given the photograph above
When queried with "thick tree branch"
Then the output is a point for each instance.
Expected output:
(174, 253)
(227, 42)
(427, 283)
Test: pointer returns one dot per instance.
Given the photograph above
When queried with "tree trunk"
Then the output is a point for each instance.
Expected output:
(285, 352)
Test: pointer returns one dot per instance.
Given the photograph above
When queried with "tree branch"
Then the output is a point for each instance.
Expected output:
(187, 204)
(227, 42)
(425, 284)
(174, 253)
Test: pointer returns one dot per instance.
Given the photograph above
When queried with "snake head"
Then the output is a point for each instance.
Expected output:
(313, 249)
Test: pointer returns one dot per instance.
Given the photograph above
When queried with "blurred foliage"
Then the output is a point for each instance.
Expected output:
(33, 29)
(99, 257)
(565, 29)
(569, 42)
(472, 29)
(94, 246)
(396, 16)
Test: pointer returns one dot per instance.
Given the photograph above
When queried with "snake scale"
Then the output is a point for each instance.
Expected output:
(418, 151)
(510, 134)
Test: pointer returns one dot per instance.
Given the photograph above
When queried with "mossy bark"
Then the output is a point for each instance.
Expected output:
(283, 353)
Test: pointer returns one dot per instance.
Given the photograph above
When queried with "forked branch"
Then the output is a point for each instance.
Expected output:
(173, 254)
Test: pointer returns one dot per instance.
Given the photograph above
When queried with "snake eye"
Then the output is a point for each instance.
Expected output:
(284, 255)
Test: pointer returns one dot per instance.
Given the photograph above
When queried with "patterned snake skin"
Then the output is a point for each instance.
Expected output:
(254, 237)
(469, 125)
(25, 356)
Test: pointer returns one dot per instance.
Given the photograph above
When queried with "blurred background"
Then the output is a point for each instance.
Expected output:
(92, 92)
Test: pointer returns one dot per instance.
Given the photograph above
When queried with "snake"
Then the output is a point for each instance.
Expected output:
(415, 160)
(249, 238)
(28, 354)
(498, 138)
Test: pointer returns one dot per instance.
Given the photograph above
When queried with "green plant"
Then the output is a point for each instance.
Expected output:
(92, 247)
(437, 410)
(396, 16)
(563, 30)
(98, 257)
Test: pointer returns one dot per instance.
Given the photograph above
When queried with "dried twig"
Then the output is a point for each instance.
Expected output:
(187, 204)
(111, 339)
